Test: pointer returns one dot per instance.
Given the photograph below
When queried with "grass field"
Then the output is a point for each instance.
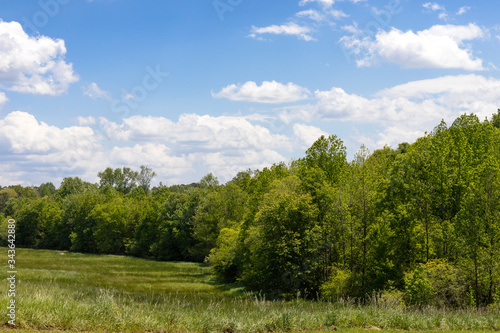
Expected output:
(78, 292)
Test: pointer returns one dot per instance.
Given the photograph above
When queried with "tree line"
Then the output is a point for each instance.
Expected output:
(419, 223)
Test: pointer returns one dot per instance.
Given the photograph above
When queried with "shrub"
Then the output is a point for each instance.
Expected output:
(224, 258)
(446, 282)
(418, 288)
(338, 285)
(435, 283)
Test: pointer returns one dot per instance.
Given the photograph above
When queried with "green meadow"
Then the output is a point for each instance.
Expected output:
(79, 292)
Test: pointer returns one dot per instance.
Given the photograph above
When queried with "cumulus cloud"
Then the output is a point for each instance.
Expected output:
(269, 92)
(406, 111)
(307, 134)
(33, 151)
(33, 65)
(441, 46)
(3, 99)
(455, 85)
(21, 133)
(291, 29)
(184, 149)
(93, 91)
(158, 156)
(226, 165)
(460, 93)
(195, 132)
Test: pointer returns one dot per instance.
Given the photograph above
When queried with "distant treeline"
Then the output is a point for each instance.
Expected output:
(419, 224)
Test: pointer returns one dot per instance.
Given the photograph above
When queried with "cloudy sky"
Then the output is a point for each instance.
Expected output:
(188, 87)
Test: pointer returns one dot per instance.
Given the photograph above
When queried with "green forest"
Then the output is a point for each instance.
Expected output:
(418, 224)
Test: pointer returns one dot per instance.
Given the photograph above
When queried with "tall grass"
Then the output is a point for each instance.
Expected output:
(111, 293)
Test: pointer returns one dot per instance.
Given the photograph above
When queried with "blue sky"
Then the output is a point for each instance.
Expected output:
(188, 87)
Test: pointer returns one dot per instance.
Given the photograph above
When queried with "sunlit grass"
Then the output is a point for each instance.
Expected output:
(78, 292)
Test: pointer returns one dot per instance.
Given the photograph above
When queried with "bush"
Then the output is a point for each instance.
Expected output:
(447, 283)
(338, 285)
(435, 283)
(418, 288)
(224, 258)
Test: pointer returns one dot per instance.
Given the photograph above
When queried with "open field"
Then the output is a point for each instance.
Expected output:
(77, 292)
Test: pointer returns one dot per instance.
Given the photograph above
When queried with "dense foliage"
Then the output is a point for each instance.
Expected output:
(420, 223)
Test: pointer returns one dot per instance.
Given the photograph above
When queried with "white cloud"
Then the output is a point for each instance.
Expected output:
(93, 91)
(307, 134)
(194, 132)
(268, 92)
(433, 6)
(223, 145)
(451, 84)
(325, 3)
(394, 135)
(156, 155)
(443, 15)
(3, 99)
(183, 150)
(323, 16)
(293, 29)
(441, 46)
(21, 133)
(226, 165)
(308, 19)
(34, 152)
(455, 93)
(127, 96)
(33, 65)
(311, 14)
(337, 14)
(406, 111)
(463, 10)
(353, 29)
(86, 121)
